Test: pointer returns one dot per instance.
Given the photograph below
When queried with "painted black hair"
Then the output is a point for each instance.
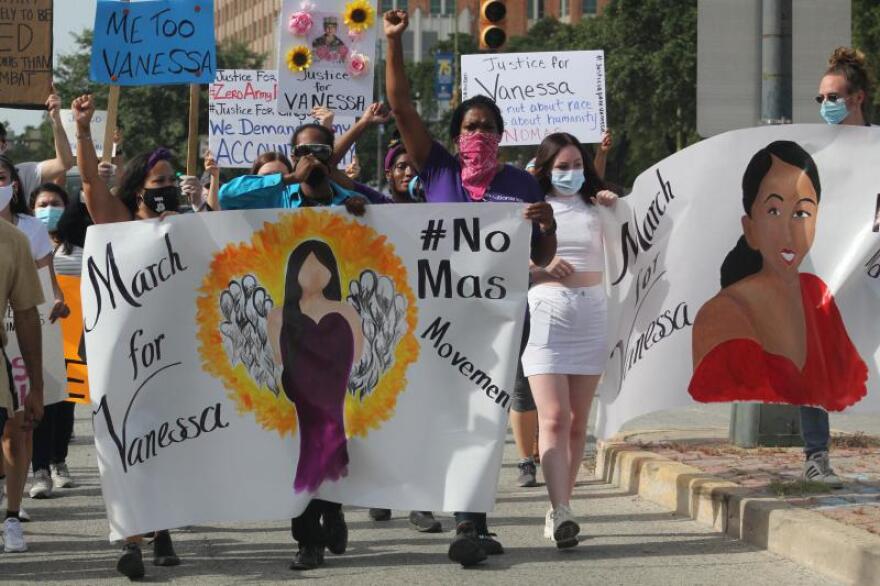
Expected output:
(51, 188)
(743, 260)
(329, 137)
(292, 315)
(475, 102)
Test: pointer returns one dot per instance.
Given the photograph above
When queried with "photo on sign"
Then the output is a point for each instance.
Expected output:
(328, 49)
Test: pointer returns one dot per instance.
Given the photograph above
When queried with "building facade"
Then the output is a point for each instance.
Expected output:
(254, 22)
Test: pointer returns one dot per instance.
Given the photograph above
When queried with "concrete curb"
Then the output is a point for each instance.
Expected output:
(808, 538)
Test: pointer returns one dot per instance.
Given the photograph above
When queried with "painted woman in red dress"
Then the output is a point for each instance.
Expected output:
(774, 334)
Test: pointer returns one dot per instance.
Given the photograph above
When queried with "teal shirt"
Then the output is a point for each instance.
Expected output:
(253, 192)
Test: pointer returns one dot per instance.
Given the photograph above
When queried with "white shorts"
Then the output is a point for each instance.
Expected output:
(568, 331)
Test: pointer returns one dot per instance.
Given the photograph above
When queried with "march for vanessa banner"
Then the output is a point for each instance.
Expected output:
(303, 348)
(746, 268)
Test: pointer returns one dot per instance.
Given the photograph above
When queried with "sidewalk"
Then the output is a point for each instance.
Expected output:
(627, 540)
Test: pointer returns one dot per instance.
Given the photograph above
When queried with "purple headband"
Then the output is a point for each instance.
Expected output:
(392, 154)
(160, 154)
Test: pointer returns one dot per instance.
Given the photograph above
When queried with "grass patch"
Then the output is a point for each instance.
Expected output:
(797, 488)
(858, 439)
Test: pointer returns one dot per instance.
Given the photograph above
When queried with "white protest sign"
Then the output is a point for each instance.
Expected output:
(243, 121)
(54, 371)
(671, 243)
(99, 123)
(541, 93)
(326, 55)
(212, 348)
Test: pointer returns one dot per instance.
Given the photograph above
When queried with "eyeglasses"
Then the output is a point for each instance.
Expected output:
(832, 97)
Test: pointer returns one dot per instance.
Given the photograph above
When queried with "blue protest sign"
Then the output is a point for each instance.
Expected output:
(155, 42)
(443, 75)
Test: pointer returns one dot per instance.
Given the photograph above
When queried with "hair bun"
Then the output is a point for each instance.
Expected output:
(847, 56)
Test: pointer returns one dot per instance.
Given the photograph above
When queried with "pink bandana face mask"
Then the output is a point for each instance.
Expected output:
(479, 161)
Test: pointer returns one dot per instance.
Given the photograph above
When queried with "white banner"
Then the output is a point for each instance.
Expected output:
(243, 121)
(98, 126)
(54, 371)
(327, 55)
(541, 93)
(230, 336)
(813, 341)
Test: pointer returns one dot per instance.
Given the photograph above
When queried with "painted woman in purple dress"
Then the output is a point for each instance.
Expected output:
(317, 337)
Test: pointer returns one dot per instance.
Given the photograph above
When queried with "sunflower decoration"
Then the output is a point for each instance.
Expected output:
(359, 16)
(299, 58)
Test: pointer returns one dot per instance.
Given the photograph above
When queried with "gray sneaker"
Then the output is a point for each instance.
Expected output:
(527, 473)
(818, 469)
(61, 476)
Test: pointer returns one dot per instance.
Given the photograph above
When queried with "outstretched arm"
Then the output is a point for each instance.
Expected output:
(103, 207)
(601, 158)
(375, 114)
(63, 160)
(415, 135)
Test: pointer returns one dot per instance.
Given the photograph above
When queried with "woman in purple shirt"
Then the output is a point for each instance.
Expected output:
(474, 175)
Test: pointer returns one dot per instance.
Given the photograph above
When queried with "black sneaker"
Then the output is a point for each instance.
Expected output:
(489, 544)
(527, 473)
(424, 522)
(163, 550)
(337, 533)
(380, 514)
(308, 557)
(131, 562)
(466, 549)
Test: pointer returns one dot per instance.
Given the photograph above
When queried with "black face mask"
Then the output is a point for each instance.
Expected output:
(162, 199)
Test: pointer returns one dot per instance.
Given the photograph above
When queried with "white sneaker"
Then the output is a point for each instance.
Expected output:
(565, 528)
(13, 536)
(548, 524)
(23, 515)
(818, 469)
(61, 476)
(41, 488)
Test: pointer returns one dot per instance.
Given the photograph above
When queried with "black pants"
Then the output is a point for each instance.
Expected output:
(52, 436)
(307, 530)
(478, 519)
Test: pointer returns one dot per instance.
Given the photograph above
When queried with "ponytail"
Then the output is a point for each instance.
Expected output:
(740, 262)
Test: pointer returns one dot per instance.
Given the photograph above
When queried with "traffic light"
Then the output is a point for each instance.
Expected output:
(493, 15)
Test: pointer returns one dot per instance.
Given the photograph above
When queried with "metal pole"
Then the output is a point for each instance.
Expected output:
(380, 130)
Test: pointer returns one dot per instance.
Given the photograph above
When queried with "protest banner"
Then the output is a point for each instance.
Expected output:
(541, 93)
(72, 341)
(244, 122)
(677, 335)
(25, 53)
(99, 125)
(153, 42)
(326, 56)
(54, 379)
(203, 341)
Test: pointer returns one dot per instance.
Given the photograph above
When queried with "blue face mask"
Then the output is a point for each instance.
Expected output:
(834, 112)
(49, 216)
(567, 182)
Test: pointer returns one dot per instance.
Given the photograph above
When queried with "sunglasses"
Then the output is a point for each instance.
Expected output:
(322, 152)
(832, 97)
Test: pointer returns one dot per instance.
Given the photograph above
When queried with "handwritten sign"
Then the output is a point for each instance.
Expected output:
(25, 53)
(99, 123)
(541, 93)
(341, 73)
(154, 42)
(244, 122)
(54, 383)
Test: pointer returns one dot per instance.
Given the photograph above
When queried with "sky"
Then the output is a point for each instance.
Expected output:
(70, 16)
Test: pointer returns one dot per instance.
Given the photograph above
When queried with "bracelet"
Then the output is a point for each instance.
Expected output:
(87, 137)
(551, 231)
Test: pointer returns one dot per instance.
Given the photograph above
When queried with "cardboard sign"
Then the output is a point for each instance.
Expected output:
(340, 70)
(25, 53)
(244, 123)
(541, 93)
(99, 123)
(157, 42)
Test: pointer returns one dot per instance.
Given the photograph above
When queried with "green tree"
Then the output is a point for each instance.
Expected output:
(149, 116)
(866, 36)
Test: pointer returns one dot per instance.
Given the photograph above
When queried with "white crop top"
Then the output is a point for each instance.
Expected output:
(578, 233)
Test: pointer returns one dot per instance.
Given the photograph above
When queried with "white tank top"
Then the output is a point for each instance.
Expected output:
(578, 233)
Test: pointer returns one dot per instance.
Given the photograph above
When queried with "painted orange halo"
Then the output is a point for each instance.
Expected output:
(356, 247)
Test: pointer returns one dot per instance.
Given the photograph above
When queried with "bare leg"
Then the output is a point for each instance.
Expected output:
(554, 422)
(525, 427)
(582, 388)
(15, 461)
